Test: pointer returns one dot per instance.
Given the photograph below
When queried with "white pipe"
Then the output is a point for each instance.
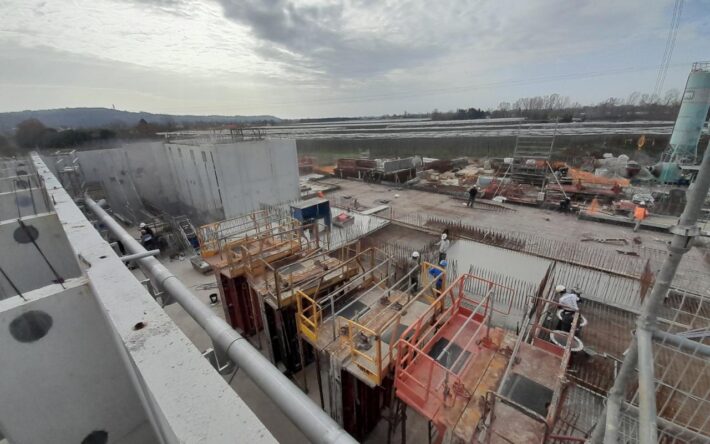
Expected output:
(132, 257)
(296, 405)
(648, 427)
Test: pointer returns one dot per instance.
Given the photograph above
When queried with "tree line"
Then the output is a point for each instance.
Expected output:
(636, 106)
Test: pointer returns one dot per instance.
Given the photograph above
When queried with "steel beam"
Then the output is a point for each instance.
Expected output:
(296, 405)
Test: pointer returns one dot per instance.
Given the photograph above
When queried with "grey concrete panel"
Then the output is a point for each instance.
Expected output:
(255, 172)
(63, 378)
(23, 203)
(110, 167)
(152, 175)
(23, 262)
(197, 184)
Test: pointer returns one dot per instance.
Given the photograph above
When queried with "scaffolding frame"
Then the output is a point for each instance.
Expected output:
(280, 285)
(218, 236)
(641, 350)
(536, 335)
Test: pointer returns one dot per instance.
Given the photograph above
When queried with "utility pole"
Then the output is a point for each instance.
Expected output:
(607, 427)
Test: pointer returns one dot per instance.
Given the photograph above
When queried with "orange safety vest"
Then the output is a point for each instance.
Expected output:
(640, 213)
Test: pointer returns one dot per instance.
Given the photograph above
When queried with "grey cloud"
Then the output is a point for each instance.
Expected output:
(317, 39)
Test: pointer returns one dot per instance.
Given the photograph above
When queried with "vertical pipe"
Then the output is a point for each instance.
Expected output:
(647, 388)
(683, 235)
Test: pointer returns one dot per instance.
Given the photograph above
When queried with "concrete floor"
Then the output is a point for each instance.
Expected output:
(695, 266)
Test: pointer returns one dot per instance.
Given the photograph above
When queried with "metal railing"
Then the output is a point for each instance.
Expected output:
(310, 309)
(376, 366)
(282, 283)
(417, 340)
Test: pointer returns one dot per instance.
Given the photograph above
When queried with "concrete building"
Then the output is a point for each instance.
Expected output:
(206, 179)
(225, 178)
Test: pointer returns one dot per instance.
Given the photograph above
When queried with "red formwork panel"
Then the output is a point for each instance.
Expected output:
(241, 310)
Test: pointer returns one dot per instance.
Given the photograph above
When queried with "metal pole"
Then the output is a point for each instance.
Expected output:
(132, 257)
(296, 405)
(684, 344)
(683, 235)
(648, 428)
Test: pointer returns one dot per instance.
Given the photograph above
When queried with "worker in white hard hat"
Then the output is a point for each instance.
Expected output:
(147, 236)
(640, 213)
(415, 271)
(443, 244)
(569, 303)
(145, 229)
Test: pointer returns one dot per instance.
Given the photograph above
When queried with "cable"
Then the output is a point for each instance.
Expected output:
(670, 46)
(59, 279)
(12, 284)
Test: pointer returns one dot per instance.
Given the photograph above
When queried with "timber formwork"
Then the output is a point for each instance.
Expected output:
(261, 261)
(274, 285)
(242, 245)
(355, 328)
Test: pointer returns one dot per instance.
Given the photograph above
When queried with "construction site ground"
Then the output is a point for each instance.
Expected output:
(410, 205)
(517, 219)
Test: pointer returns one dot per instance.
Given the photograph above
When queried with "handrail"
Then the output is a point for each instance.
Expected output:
(354, 327)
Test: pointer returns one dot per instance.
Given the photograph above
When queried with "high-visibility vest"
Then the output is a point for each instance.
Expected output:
(640, 213)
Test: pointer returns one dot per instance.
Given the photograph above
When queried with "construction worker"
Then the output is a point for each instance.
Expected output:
(640, 213)
(437, 273)
(472, 192)
(147, 237)
(569, 303)
(416, 266)
(443, 244)
(145, 229)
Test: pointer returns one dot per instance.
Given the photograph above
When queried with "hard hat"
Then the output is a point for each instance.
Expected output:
(443, 262)
(560, 288)
(142, 225)
(443, 236)
(415, 254)
(642, 203)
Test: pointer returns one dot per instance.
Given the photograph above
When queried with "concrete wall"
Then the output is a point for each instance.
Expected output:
(152, 175)
(205, 181)
(224, 180)
(254, 172)
(197, 185)
(63, 379)
(24, 264)
(112, 169)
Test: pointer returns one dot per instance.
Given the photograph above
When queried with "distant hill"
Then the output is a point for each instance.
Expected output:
(104, 117)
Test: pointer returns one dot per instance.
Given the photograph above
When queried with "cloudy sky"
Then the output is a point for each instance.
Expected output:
(314, 58)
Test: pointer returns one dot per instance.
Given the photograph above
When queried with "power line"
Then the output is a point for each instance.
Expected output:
(670, 46)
